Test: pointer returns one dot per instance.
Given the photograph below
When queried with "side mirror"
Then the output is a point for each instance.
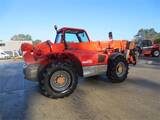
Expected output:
(56, 28)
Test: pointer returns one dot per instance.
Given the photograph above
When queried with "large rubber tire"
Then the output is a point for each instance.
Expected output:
(155, 53)
(112, 74)
(49, 88)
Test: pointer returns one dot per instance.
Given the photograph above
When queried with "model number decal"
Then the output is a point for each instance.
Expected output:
(87, 61)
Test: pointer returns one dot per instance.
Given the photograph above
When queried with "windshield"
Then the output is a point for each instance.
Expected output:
(72, 36)
(76, 36)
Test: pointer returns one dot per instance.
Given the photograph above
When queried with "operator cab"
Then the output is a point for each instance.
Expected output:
(71, 35)
(145, 44)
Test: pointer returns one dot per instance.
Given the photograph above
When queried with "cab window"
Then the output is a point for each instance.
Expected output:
(76, 36)
(83, 36)
(71, 37)
(147, 43)
(58, 38)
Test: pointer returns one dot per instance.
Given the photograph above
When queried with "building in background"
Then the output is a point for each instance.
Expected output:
(12, 47)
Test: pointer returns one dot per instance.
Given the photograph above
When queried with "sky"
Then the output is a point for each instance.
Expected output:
(98, 17)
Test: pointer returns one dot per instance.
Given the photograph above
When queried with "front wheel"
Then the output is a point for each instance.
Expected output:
(155, 53)
(117, 69)
(59, 80)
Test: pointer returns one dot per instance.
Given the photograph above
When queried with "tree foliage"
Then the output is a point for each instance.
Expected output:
(22, 37)
(36, 42)
(157, 40)
(147, 34)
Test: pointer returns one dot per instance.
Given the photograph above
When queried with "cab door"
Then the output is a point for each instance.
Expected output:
(147, 47)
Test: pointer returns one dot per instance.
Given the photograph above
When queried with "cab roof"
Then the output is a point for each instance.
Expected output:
(69, 28)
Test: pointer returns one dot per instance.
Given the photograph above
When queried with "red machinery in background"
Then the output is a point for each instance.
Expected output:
(148, 48)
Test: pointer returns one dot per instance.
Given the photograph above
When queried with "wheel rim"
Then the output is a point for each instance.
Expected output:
(120, 69)
(156, 53)
(60, 80)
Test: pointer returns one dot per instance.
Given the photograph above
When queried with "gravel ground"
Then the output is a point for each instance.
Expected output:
(138, 98)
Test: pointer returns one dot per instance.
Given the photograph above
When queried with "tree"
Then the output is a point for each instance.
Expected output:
(157, 40)
(147, 34)
(36, 41)
(28, 37)
(22, 37)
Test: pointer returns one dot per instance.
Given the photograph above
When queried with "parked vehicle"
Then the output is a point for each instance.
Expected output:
(148, 48)
(4, 55)
(57, 66)
(14, 54)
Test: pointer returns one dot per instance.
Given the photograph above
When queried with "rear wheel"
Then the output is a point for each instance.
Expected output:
(155, 53)
(117, 69)
(59, 80)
